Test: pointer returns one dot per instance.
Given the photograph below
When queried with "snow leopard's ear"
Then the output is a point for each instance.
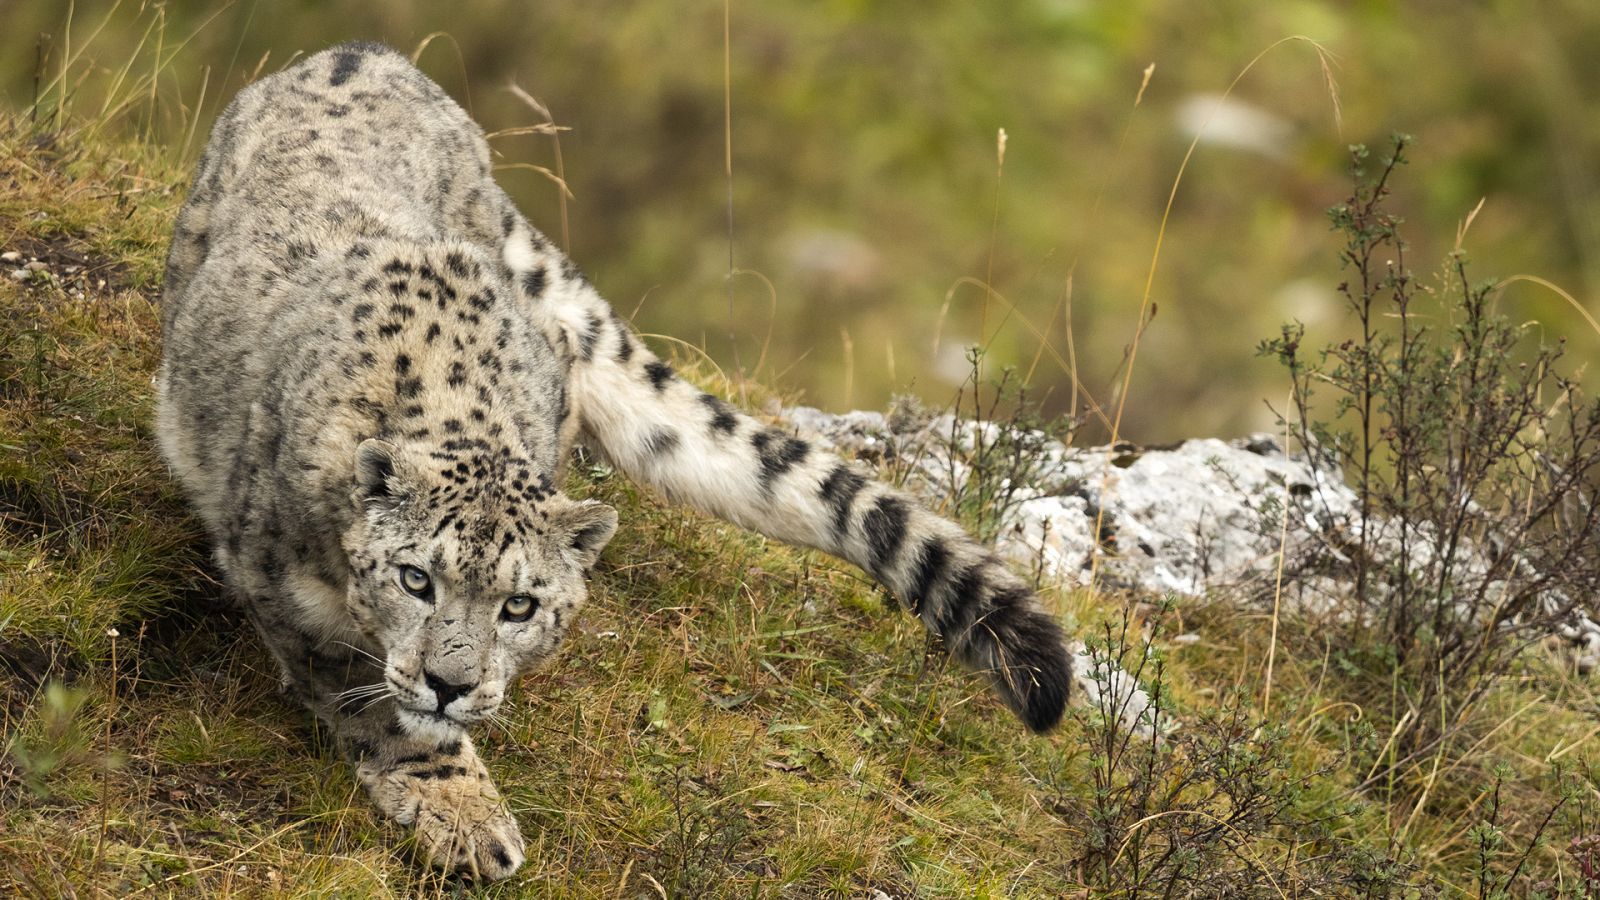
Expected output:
(583, 528)
(377, 485)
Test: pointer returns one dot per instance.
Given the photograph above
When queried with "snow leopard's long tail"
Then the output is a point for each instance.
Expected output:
(697, 449)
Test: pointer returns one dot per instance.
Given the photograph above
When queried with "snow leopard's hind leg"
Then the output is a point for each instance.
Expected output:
(697, 449)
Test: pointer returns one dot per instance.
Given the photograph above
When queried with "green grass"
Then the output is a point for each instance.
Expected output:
(731, 718)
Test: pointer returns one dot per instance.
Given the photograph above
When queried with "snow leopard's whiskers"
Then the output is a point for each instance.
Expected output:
(367, 692)
(371, 701)
(368, 654)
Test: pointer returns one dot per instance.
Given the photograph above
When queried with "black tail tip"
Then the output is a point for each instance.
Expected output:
(1021, 647)
(1041, 703)
(1035, 679)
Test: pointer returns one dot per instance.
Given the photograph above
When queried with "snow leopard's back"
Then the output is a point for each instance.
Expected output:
(354, 140)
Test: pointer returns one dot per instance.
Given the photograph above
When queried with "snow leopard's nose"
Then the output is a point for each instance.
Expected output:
(445, 690)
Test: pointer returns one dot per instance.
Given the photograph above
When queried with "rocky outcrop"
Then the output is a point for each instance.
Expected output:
(1198, 517)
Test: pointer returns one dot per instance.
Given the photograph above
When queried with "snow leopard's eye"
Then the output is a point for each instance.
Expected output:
(416, 582)
(519, 608)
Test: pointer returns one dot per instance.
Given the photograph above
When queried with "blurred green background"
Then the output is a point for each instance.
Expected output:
(865, 180)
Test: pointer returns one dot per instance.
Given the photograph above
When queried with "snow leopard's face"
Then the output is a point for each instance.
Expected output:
(467, 570)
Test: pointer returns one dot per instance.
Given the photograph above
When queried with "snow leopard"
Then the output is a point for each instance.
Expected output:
(374, 373)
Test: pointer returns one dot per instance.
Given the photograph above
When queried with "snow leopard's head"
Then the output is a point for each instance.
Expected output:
(467, 568)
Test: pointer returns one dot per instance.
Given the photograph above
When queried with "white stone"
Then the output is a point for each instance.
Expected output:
(1203, 516)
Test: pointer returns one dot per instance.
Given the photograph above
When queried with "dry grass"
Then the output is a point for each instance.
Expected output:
(734, 718)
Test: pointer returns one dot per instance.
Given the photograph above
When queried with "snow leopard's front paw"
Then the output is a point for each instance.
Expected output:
(462, 825)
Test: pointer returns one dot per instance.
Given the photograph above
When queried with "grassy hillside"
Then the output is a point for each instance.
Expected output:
(732, 718)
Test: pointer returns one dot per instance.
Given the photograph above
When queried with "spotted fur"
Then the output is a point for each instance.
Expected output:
(374, 370)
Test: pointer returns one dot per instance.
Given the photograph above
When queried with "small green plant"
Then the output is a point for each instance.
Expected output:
(58, 744)
(704, 838)
(1473, 459)
(1494, 847)
(1504, 849)
(995, 448)
(1218, 809)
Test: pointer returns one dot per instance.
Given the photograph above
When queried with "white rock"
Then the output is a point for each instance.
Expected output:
(1205, 515)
